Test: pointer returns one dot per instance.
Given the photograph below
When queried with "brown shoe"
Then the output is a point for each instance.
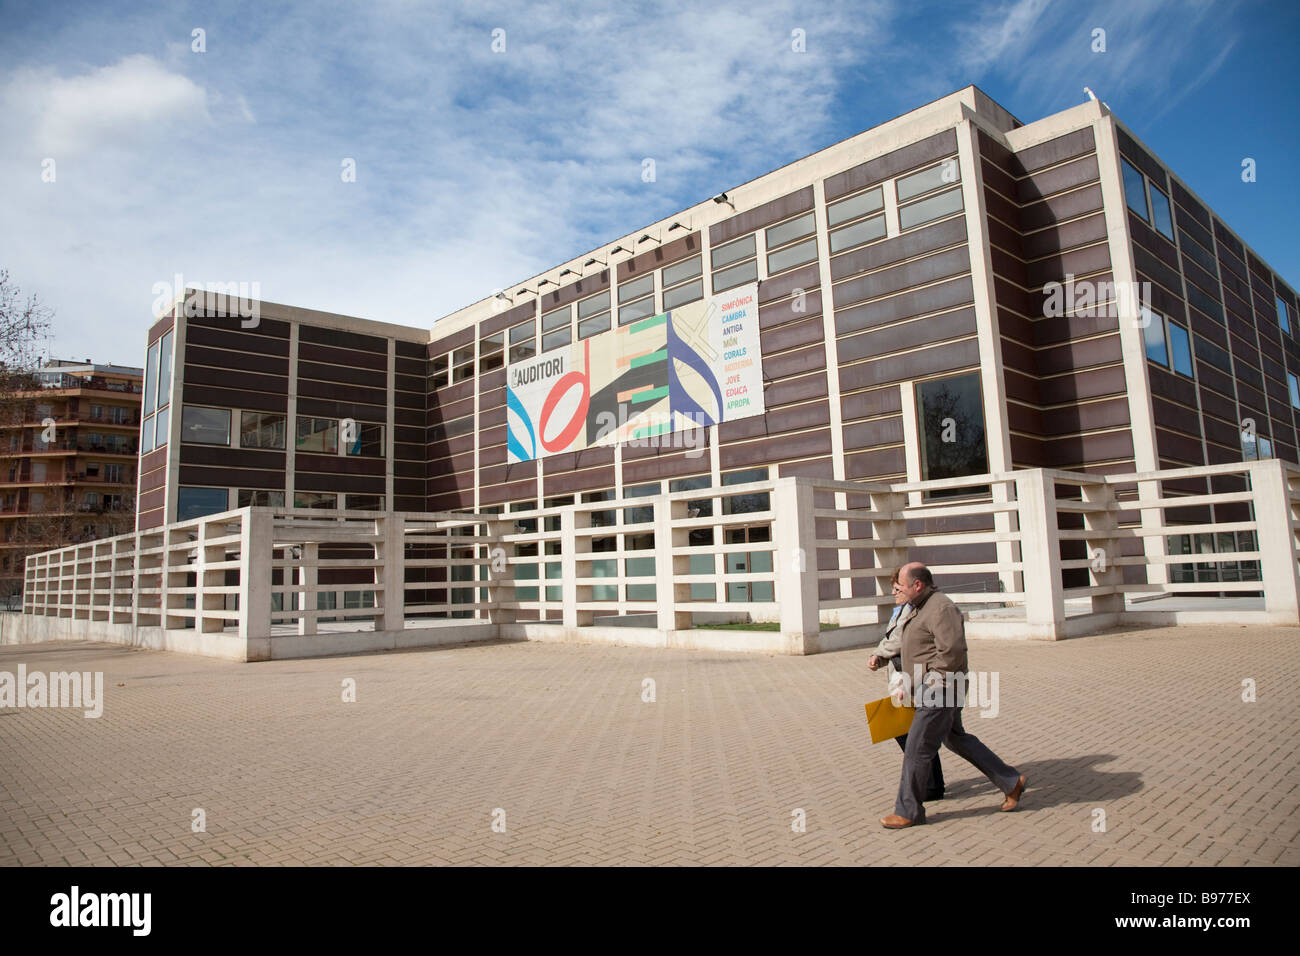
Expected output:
(1013, 798)
(895, 822)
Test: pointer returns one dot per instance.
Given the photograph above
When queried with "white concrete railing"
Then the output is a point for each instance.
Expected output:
(815, 554)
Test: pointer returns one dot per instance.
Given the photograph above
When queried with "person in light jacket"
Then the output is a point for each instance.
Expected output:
(889, 650)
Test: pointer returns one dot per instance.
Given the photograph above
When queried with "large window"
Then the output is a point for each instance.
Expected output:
(927, 180)
(1153, 333)
(1283, 315)
(205, 426)
(929, 209)
(682, 282)
(636, 299)
(319, 435)
(258, 498)
(491, 352)
(787, 245)
(1293, 388)
(557, 328)
(197, 502)
(151, 379)
(165, 371)
(162, 426)
(146, 436)
(315, 499)
(1135, 189)
(523, 340)
(368, 441)
(950, 421)
(1162, 215)
(729, 266)
(260, 430)
(593, 315)
(1180, 349)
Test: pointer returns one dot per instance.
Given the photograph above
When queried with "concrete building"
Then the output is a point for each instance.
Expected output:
(1025, 353)
(68, 458)
(952, 263)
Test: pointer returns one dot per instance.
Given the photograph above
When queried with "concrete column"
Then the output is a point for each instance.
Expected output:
(667, 591)
(1102, 523)
(795, 562)
(255, 540)
(1040, 546)
(1275, 523)
(572, 544)
(392, 572)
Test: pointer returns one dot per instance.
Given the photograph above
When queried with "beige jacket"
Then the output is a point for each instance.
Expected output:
(934, 638)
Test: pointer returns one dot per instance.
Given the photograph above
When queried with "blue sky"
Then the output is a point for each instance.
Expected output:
(477, 169)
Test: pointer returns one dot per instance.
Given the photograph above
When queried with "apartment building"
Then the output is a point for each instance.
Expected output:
(68, 458)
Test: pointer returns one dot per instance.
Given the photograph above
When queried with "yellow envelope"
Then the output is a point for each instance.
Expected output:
(885, 721)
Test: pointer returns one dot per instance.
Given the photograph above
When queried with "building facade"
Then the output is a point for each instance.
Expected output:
(68, 440)
(950, 293)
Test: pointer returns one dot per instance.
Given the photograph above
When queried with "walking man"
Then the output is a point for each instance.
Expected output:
(934, 653)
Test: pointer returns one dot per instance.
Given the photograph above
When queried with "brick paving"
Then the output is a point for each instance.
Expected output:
(1147, 726)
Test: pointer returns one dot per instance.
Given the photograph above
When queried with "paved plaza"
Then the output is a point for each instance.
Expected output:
(555, 743)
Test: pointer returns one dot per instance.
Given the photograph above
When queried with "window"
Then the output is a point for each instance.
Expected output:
(113, 474)
(151, 379)
(642, 514)
(315, 499)
(950, 422)
(364, 502)
(792, 256)
(855, 207)
(1293, 386)
(146, 436)
(556, 329)
(1180, 348)
(260, 430)
(868, 230)
(197, 502)
(163, 425)
(205, 426)
(320, 435)
(743, 504)
(936, 177)
(523, 340)
(1283, 316)
(593, 315)
(491, 352)
(741, 272)
(636, 299)
(732, 252)
(682, 283)
(1135, 192)
(787, 232)
(930, 209)
(1154, 335)
(438, 371)
(736, 275)
(256, 498)
(462, 363)
(1161, 213)
(165, 372)
(368, 441)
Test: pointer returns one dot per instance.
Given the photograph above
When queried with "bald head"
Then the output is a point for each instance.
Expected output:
(915, 578)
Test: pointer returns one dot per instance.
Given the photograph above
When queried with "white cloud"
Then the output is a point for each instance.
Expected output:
(127, 103)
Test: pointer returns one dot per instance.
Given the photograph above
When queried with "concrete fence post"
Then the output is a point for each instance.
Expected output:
(502, 595)
(1103, 547)
(1040, 548)
(667, 591)
(1275, 523)
(391, 572)
(571, 545)
(794, 558)
(255, 559)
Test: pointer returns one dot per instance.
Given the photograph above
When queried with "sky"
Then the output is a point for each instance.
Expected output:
(491, 142)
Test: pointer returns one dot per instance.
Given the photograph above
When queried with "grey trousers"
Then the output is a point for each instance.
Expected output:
(931, 727)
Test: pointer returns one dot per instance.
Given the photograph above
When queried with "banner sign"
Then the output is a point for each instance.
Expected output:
(696, 365)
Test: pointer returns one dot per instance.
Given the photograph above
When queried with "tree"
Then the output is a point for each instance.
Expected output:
(24, 323)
